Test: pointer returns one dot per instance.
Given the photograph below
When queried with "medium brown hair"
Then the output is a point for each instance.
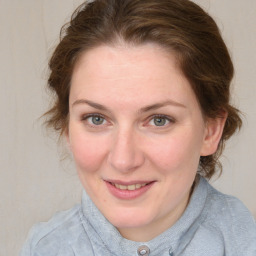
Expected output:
(179, 26)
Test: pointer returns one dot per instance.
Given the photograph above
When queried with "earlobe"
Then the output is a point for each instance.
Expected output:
(213, 132)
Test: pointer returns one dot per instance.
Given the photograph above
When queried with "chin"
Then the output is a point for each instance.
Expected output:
(129, 219)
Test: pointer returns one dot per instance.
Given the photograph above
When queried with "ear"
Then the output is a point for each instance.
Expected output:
(213, 132)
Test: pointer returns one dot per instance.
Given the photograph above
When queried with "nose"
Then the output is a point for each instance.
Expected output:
(126, 154)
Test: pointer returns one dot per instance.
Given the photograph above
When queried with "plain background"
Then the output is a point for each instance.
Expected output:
(34, 182)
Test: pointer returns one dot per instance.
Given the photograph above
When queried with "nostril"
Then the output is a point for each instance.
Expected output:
(125, 161)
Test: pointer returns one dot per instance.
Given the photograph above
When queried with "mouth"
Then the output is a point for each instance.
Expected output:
(128, 190)
(129, 187)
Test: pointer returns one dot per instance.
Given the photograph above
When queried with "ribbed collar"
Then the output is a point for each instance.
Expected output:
(174, 239)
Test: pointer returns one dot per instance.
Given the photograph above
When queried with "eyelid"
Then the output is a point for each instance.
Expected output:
(85, 118)
(168, 118)
(162, 116)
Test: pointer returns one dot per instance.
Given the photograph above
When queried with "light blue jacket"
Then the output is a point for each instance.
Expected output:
(213, 224)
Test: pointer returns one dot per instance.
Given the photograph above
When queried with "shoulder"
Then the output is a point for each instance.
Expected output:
(227, 207)
(228, 216)
(56, 236)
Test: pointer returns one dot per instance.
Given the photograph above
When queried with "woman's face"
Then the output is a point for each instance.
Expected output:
(136, 133)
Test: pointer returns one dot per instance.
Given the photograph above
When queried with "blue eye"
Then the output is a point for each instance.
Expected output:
(159, 121)
(95, 120)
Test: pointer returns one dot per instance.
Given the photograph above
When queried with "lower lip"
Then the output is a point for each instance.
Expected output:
(128, 194)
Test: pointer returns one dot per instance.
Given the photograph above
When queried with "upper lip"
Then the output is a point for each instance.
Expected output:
(127, 183)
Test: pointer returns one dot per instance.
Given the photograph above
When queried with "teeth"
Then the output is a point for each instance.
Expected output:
(138, 186)
(129, 187)
(122, 187)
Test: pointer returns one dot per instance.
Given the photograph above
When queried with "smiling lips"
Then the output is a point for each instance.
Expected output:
(129, 187)
(129, 191)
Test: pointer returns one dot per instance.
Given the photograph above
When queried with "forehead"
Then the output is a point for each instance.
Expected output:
(124, 57)
(143, 73)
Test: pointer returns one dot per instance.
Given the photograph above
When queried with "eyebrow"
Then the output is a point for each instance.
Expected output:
(144, 109)
(160, 105)
(90, 103)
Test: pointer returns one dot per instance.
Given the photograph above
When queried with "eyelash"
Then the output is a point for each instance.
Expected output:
(150, 119)
(86, 117)
(166, 118)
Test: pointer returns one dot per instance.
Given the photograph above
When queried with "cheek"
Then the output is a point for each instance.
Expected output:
(169, 155)
(88, 152)
(181, 151)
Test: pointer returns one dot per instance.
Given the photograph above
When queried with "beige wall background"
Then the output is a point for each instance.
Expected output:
(34, 183)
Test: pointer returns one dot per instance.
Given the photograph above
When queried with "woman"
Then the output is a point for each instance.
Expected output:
(142, 97)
